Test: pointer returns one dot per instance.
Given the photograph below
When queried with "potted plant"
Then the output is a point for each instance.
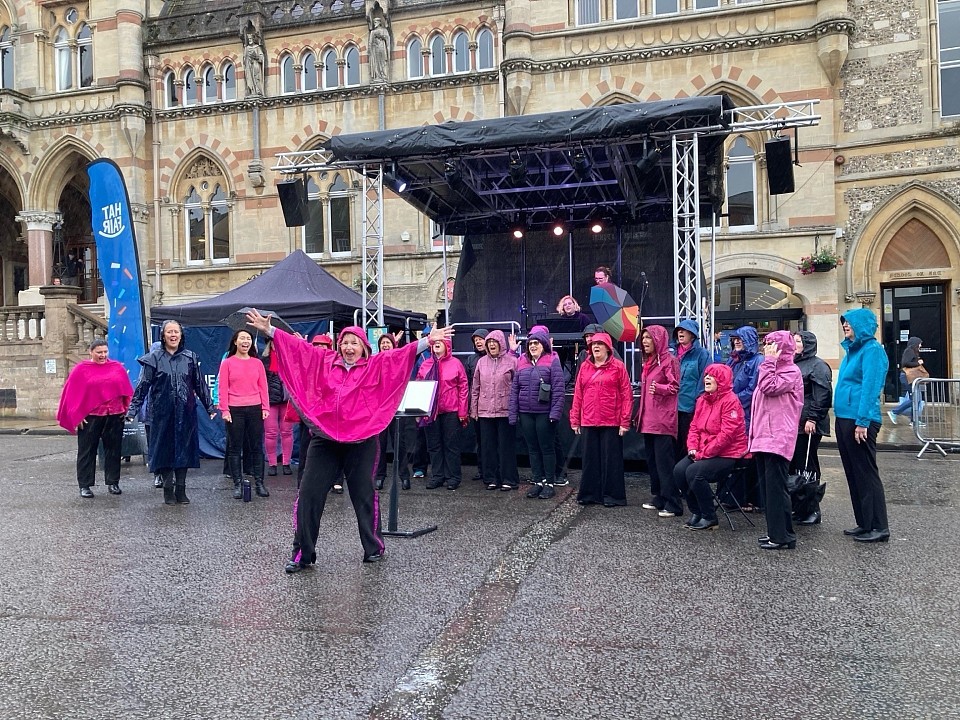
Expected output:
(822, 260)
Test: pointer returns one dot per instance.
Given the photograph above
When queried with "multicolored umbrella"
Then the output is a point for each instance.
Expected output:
(616, 311)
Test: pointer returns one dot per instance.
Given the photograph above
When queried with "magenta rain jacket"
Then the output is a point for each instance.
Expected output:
(452, 383)
(657, 414)
(777, 400)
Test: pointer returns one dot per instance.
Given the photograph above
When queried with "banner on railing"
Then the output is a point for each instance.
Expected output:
(118, 263)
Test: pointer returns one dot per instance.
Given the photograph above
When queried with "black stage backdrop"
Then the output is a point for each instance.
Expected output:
(494, 268)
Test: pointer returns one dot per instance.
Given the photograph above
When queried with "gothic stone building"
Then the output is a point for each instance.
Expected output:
(194, 99)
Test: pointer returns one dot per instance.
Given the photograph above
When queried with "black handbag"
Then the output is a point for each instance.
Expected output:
(797, 481)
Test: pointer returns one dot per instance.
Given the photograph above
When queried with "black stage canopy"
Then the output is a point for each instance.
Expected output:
(612, 163)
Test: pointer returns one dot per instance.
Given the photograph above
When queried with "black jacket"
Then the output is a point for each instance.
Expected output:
(817, 385)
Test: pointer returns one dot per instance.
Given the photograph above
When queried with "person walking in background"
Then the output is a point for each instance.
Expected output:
(490, 408)
(172, 380)
(814, 422)
(276, 424)
(600, 414)
(694, 359)
(656, 419)
(349, 397)
(717, 439)
(93, 403)
(536, 402)
(745, 362)
(245, 404)
(451, 412)
(777, 404)
(856, 407)
(909, 361)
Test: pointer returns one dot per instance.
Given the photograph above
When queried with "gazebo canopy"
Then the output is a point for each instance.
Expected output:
(610, 162)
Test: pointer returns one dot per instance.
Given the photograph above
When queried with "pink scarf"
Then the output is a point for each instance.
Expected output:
(89, 386)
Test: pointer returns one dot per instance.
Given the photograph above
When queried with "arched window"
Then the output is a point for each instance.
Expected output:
(208, 86)
(85, 55)
(190, 94)
(6, 58)
(309, 81)
(288, 81)
(438, 58)
(64, 59)
(461, 53)
(196, 227)
(331, 73)
(485, 50)
(351, 73)
(228, 82)
(219, 225)
(170, 99)
(741, 186)
(414, 58)
(626, 9)
(588, 12)
(329, 228)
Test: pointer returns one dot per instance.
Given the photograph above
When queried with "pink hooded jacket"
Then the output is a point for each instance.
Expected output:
(602, 396)
(452, 382)
(657, 413)
(717, 428)
(346, 405)
(492, 381)
(777, 400)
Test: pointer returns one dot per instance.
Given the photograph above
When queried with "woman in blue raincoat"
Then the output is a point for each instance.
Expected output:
(172, 381)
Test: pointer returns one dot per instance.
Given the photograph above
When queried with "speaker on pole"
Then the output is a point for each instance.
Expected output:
(779, 166)
(293, 201)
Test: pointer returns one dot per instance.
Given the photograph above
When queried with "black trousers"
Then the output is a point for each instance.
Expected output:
(498, 443)
(97, 428)
(421, 456)
(661, 456)
(772, 473)
(684, 419)
(693, 479)
(246, 436)
(326, 460)
(601, 480)
(443, 442)
(863, 476)
(538, 434)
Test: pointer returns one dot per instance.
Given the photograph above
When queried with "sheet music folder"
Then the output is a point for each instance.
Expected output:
(417, 398)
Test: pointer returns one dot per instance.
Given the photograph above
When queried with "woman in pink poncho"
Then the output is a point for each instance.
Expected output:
(93, 403)
(346, 397)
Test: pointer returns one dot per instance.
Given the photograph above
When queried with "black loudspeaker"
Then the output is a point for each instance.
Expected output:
(779, 166)
(293, 200)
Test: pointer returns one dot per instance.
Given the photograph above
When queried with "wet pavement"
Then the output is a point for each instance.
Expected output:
(121, 607)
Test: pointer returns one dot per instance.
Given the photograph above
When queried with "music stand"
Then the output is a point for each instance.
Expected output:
(418, 400)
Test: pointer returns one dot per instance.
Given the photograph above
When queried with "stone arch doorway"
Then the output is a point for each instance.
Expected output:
(74, 246)
(13, 246)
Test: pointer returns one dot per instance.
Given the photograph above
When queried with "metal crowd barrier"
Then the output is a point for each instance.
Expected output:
(936, 413)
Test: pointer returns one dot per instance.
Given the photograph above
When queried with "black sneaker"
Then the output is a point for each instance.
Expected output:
(86, 492)
(272, 470)
(562, 480)
(547, 492)
(535, 491)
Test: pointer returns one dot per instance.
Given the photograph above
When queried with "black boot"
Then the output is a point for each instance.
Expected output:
(380, 483)
(180, 493)
(237, 490)
(405, 483)
(168, 495)
(261, 489)
(235, 472)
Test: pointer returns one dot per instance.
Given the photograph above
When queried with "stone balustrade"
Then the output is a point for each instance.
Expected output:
(21, 323)
(88, 326)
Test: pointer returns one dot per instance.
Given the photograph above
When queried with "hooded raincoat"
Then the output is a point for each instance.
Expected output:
(717, 429)
(173, 384)
(657, 411)
(693, 361)
(862, 371)
(490, 394)
(603, 396)
(817, 385)
(451, 380)
(777, 401)
(525, 393)
(745, 365)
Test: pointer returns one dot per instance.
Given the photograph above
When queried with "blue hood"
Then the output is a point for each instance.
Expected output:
(863, 323)
(748, 336)
(690, 326)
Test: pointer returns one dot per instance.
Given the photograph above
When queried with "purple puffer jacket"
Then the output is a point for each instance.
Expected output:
(493, 381)
(525, 393)
(777, 400)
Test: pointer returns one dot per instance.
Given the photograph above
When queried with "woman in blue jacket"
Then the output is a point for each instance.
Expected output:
(745, 359)
(856, 406)
(694, 359)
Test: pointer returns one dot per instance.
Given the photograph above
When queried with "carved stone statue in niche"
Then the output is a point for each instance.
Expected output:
(379, 53)
(253, 67)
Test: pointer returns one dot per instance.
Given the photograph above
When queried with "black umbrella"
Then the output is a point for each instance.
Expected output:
(238, 321)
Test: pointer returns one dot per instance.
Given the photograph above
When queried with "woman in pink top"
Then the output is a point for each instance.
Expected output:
(245, 404)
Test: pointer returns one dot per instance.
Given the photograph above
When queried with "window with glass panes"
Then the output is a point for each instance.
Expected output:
(948, 28)
(329, 228)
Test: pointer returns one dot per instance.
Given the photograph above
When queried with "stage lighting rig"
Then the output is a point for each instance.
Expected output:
(581, 165)
(517, 168)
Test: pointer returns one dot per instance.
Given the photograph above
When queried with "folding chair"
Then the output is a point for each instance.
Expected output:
(739, 467)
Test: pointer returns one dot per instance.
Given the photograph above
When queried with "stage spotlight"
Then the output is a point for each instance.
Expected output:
(452, 173)
(394, 178)
(581, 165)
(596, 227)
(558, 228)
(517, 232)
(517, 169)
(648, 162)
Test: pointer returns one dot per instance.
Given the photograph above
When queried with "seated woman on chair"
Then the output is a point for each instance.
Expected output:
(570, 308)
(717, 438)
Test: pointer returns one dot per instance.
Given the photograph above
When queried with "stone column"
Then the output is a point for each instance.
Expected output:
(60, 334)
(39, 252)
